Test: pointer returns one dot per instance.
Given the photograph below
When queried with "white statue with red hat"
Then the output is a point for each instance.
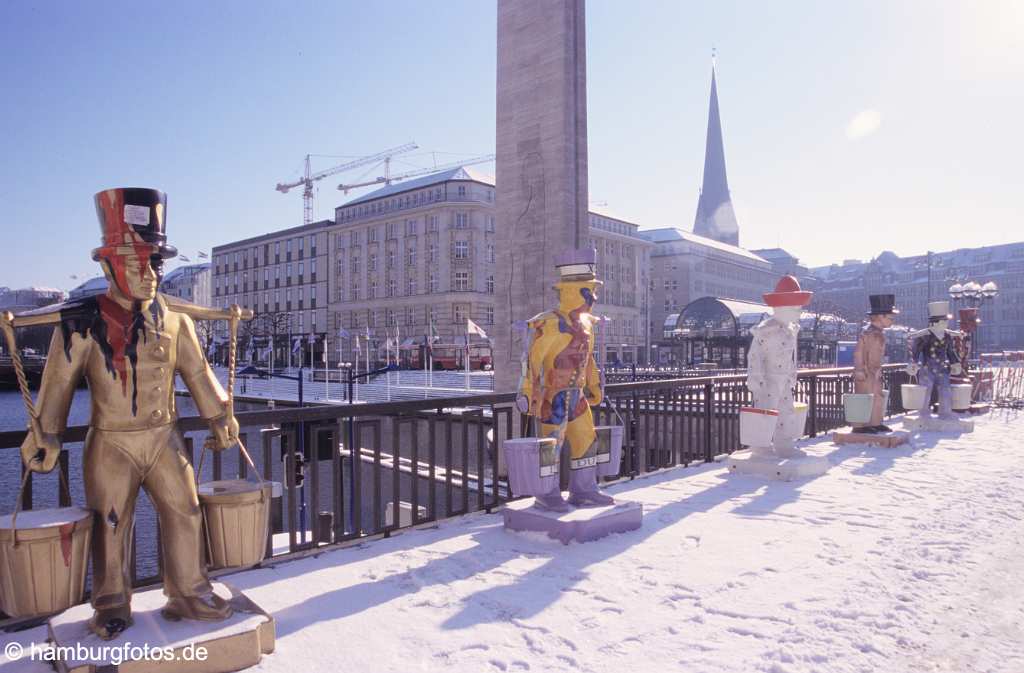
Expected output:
(772, 366)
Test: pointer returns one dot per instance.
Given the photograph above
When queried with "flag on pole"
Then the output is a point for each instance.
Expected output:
(184, 258)
(296, 344)
(357, 348)
(312, 338)
(344, 333)
(473, 328)
(203, 255)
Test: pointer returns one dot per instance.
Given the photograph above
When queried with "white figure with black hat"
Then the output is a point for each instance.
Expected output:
(772, 367)
(934, 357)
(868, 359)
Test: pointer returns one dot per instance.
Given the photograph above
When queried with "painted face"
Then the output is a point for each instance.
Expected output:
(884, 320)
(136, 275)
(938, 328)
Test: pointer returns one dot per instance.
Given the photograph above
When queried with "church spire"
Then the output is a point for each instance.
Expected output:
(715, 217)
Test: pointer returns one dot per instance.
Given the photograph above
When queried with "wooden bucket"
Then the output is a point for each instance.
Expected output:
(236, 519)
(43, 557)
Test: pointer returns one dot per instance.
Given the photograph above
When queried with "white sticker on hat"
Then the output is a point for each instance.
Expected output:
(136, 214)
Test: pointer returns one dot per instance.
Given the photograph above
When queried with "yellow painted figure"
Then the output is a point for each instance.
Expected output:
(561, 380)
(129, 345)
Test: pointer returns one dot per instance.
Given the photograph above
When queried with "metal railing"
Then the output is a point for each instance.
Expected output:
(421, 461)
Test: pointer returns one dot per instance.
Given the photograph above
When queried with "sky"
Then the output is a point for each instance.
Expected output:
(850, 128)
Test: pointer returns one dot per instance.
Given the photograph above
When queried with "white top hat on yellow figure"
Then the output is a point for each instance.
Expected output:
(938, 310)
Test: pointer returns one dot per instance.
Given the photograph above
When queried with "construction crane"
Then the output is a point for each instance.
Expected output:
(309, 178)
(388, 179)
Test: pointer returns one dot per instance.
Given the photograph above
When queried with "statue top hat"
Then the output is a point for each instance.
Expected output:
(883, 304)
(578, 264)
(131, 217)
(788, 293)
(938, 310)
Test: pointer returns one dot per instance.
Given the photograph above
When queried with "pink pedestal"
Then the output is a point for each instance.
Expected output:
(581, 524)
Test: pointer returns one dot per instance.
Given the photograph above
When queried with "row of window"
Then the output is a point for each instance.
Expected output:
(391, 230)
(232, 261)
(460, 250)
(226, 283)
(414, 316)
(461, 283)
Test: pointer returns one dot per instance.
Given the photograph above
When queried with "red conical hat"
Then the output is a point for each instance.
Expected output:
(788, 293)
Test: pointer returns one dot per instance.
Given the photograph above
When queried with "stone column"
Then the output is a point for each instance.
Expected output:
(541, 194)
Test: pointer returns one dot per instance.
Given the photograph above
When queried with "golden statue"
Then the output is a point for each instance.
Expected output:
(561, 380)
(129, 344)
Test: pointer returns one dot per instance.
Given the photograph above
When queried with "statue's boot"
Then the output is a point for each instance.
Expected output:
(863, 429)
(883, 428)
(583, 491)
(210, 608)
(108, 623)
(552, 500)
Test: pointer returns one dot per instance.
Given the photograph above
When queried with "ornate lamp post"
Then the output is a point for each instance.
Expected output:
(974, 295)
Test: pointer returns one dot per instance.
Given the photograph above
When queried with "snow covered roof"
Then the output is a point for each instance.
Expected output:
(178, 272)
(673, 234)
(461, 173)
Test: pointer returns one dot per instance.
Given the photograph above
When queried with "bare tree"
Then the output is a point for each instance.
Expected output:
(205, 330)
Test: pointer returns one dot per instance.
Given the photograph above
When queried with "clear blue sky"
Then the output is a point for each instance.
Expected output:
(849, 127)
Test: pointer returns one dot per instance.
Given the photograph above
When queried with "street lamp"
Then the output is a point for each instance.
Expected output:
(974, 295)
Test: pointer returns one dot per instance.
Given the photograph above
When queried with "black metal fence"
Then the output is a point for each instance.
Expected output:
(371, 469)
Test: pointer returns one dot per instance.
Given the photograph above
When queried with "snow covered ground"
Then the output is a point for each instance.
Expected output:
(896, 560)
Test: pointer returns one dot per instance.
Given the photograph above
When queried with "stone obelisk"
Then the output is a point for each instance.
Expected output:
(541, 198)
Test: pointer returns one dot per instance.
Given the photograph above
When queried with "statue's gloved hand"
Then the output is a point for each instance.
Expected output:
(41, 455)
(523, 403)
(225, 432)
(955, 369)
(912, 369)
(859, 376)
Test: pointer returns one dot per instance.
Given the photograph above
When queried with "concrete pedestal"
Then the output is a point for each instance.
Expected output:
(231, 645)
(581, 524)
(934, 424)
(886, 440)
(772, 467)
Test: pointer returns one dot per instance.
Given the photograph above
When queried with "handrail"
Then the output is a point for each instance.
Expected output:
(13, 438)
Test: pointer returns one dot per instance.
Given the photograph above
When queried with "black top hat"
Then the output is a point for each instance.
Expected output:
(128, 214)
(883, 304)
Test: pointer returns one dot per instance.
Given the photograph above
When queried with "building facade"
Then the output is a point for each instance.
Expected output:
(191, 283)
(685, 267)
(283, 277)
(28, 298)
(918, 279)
(623, 260)
(419, 257)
